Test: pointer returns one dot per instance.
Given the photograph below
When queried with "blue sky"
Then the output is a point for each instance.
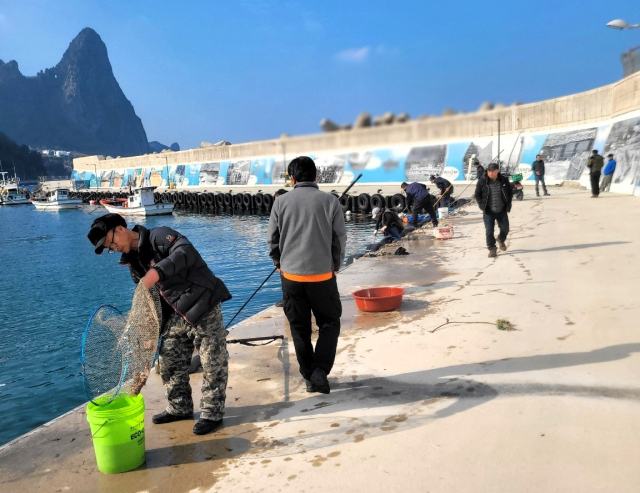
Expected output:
(254, 69)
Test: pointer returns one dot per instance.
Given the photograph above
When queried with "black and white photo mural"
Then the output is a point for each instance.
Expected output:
(422, 162)
(238, 172)
(209, 173)
(624, 143)
(359, 160)
(278, 172)
(330, 168)
(565, 154)
(483, 154)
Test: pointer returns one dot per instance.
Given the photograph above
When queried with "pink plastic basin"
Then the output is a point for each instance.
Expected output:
(383, 299)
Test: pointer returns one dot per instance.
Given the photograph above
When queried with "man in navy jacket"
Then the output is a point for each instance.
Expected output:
(418, 197)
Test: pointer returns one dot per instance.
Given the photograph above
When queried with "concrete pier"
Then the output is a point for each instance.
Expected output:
(551, 406)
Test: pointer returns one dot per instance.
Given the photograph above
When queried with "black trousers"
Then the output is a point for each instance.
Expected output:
(323, 300)
(490, 220)
(418, 206)
(595, 182)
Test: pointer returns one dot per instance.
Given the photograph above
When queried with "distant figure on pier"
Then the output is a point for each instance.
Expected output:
(538, 172)
(595, 164)
(446, 189)
(608, 174)
(191, 312)
(307, 238)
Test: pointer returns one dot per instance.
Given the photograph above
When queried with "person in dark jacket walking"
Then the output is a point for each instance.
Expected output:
(494, 196)
(307, 238)
(446, 189)
(388, 223)
(418, 198)
(192, 318)
(538, 172)
(595, 164)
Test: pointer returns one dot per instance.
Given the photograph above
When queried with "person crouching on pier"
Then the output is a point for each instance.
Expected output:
(494, 196)
(191, 313)
(418, 199)
(307, 238)
(446, 189)
(388, 223)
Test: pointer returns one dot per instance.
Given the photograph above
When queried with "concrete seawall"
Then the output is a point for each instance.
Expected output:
(563, 130)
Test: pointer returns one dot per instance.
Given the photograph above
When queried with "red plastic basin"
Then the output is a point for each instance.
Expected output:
(378, 299)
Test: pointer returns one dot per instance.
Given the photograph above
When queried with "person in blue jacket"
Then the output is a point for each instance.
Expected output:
(608, 174)
(419, 199)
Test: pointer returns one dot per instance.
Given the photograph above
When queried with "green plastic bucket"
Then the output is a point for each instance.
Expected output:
(117, 429)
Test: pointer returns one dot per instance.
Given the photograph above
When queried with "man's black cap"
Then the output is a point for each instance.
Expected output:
(101, 226)
(493, 166)
(432, 178)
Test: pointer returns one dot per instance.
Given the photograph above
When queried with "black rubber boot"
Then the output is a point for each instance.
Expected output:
(204, 426)
(165, 417)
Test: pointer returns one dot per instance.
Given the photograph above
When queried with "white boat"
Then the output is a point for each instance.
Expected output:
(138, 203)
(56, 200)
(10, 191)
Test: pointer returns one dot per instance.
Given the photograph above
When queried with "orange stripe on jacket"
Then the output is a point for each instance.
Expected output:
(308, 277)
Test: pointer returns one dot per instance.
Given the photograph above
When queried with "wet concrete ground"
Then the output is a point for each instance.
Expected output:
(551, 406)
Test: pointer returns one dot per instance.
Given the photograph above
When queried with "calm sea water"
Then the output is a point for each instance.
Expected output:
(51, 281)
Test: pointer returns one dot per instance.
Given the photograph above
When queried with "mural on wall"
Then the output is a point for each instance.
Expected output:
(238, 172)
(422, 162)
(209, 173)
(277, 172)
(331, 168)
(184, 175)
(376, 166)
(565, 154)
(261, 171)
(624, 143)
(474, 151)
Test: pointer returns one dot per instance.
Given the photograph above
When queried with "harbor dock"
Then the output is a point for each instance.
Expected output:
(419, 404)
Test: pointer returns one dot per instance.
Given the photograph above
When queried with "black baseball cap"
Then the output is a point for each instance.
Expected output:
(493, 166)
(101, 226)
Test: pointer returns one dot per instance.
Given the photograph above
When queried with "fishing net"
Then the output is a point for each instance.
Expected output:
(119, 349)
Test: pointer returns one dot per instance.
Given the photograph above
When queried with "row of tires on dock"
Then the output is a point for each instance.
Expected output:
(259, 202)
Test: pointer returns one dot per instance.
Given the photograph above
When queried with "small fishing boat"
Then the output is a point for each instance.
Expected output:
(140, 202)
(10, 191)
(56, 200)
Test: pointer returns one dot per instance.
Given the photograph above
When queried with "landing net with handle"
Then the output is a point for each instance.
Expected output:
(119, 349)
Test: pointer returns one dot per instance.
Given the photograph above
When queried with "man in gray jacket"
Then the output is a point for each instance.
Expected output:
(307, 237)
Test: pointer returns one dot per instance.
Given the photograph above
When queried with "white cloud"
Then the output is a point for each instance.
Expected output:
(354, 55)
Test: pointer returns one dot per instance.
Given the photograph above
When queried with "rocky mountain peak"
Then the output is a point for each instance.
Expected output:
(77, 105)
